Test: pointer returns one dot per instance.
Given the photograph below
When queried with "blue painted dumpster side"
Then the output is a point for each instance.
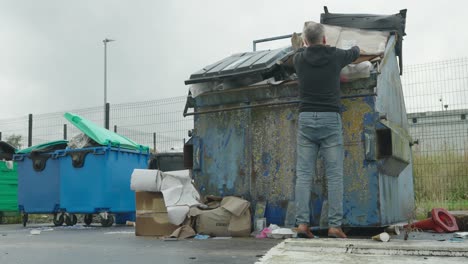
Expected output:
(38, 190)
(222, 153)
(102, 183)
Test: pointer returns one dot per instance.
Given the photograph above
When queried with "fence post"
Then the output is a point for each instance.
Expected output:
(106, 116)
(30, 127)
(65, 131)
(154, 142)
(0, 135)
(115, 128)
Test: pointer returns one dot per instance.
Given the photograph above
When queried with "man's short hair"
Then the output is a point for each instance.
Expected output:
(313, 33)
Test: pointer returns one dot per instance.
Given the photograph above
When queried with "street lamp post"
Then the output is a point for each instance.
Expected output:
(106, 111)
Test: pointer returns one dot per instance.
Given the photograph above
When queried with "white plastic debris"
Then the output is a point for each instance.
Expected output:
(35, 232)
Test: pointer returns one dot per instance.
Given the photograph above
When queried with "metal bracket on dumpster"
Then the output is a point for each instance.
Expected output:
(18, 157)
(99, 151)
(393, 150)
(369, 143)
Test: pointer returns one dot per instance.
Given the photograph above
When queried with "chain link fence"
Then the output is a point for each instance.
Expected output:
(158, 124)
(436, 99)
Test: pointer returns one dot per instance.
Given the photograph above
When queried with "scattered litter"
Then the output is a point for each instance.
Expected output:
(183, 232)
(42, 229)
(130, 223)
(119, 232)
(273, 227)
(35, 232)
(461, 235)
(394, 229)
(201, 237)
(282, 233)
(264, 233)
(74, 227)
(221, 238)
(457, 240)
(384, 237)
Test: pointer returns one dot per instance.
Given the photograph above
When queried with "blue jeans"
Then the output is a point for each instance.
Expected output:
(320, 131)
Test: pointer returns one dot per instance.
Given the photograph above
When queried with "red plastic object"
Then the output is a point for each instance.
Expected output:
(441, 221)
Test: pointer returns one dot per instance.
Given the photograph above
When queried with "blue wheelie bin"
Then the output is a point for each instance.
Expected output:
(97, 180)
(39, 180)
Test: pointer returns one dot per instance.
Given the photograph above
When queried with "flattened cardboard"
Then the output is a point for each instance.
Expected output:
(235, 205)
(150, 202)
(232, 218)
(154, 224)
(151, 215)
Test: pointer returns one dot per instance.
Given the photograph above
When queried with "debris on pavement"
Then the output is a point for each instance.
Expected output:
(35, 232)
(461, 235)
(394, 229)
(201, 237)
(383, 237)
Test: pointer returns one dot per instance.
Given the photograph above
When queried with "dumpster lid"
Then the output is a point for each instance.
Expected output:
(101, 135)
(240, 64)
(6, 150)
(45, 147)
(395, 22)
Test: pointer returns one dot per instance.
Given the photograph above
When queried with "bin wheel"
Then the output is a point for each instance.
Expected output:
(88, 219)
(58, 221)
(107, 222)
(68, 220)
(74, 219)
(25, 219)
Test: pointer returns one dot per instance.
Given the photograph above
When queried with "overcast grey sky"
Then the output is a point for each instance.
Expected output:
(51, 51)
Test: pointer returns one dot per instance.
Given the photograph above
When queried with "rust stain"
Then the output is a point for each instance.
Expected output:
(356, 176)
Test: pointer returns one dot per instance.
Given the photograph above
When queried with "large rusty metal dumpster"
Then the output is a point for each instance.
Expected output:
(245, 111)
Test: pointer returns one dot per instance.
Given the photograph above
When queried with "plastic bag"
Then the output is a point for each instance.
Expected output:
(356, 71)
(81, 141)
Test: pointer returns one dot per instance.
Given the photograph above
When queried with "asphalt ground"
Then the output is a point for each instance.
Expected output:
(118, 244)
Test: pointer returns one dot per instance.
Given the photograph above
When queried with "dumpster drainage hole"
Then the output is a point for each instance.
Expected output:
(192, 258)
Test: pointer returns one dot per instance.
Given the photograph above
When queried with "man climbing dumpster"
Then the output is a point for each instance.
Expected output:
(320, 127)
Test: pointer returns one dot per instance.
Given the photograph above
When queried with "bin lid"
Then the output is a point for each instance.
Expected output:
(46, 147)
(6, 150)
(240, 64)
(101, 135)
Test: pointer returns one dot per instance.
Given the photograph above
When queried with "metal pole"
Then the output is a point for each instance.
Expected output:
(268, 39)
(107, 116)
(105, 41)
(65, 131)
(30, 124)
(266, 104)
(115, 128)
(154, 142)
(0, 135)
(105, 77)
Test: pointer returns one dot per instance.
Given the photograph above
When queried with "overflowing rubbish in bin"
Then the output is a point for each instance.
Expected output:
(245, 110)
(88, 175)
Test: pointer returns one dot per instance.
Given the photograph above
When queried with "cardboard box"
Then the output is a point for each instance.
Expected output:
(151, 215)
(232, 218)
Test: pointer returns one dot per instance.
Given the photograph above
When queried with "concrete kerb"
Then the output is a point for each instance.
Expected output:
(359, 246)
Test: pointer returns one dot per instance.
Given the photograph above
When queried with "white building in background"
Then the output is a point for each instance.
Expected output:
(439, 131)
